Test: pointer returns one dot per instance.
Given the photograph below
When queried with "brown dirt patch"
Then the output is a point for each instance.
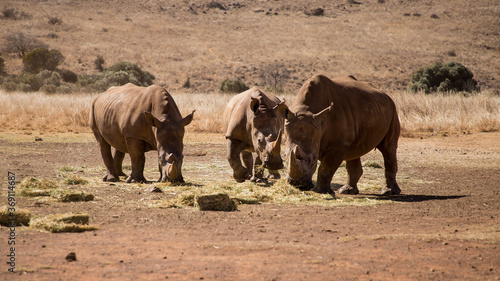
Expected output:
(445, 226)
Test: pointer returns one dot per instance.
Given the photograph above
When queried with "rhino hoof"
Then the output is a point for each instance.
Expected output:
(109, 179)
(347, 189)
(323, 190)
(395, 190)
(132, 180)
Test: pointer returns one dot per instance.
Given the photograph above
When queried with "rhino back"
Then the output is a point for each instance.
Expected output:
(238, 115)
(361, 115)
(119, 114)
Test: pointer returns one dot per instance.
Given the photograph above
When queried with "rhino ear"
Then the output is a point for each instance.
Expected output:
(254, 105)
(152, 121)
(187, 120)
(282, 110)
(320, 116)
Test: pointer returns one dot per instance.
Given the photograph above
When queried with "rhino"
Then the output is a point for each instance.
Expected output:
(135, 120)
(336, 120)
(252, 125)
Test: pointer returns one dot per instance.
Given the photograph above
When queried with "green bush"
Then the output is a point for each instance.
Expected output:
(233, 86)
(42, 58)
(441, 77)
(36, 81)
(9, 86)
(116, 75)
(68, 75)
(136, 74)
(49, 89)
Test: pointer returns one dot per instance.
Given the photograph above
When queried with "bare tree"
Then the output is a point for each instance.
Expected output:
(274, 75)
(21, 44)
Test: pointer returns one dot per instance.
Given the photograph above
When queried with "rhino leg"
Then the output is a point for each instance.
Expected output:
(326, 170)
(136, 149)
(354, 172)
(118, 161)
(247, 159)
(234, 156)
(391, 169)
(111, 175)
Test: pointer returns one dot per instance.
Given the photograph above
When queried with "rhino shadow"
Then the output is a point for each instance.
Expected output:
(413, 197)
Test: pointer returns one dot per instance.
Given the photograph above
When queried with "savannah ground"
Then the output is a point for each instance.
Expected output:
(444, 226)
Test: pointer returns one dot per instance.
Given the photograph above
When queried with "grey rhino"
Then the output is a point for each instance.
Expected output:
(336, 120)
(253, 125)
(135, 120)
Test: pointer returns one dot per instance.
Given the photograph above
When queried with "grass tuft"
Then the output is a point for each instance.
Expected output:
(20, 216)
(63, 223)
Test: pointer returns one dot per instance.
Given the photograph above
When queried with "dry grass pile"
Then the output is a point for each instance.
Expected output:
(63, 223)
(251, 193)
(33, 187)
(21, 216)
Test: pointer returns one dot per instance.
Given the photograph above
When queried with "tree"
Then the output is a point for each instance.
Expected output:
(21, 44)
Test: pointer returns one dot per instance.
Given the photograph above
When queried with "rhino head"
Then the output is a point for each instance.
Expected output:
(304, 133)
(169, 143)
(266, 131)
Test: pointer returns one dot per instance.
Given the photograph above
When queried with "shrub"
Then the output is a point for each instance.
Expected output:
(9, 86)
(35, 82)
(233, 86)
(48, 89)
(21, 44)
(55, 20)
(99, 63)
(42, 58)
(68, 75)
(2, 66)
(9, 13)
(143, 78)
(441, 77)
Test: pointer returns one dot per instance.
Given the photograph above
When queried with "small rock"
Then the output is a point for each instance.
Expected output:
(71, 257)
(154, 189)
(315, 12)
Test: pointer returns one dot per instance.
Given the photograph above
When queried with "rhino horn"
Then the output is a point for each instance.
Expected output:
(300, 154)
(172, 171)
(295, 165)
(277, 142)
(172, 166)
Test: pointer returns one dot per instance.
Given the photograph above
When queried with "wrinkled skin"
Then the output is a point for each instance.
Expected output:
(335, 120)
(135, 120)
(253, 125)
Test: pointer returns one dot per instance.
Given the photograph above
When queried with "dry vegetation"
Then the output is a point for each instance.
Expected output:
(36, 113)
(382, 42)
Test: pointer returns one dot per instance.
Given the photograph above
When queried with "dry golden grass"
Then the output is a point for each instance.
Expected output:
(34, 113)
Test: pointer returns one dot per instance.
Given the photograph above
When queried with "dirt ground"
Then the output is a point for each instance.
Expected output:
(444, 226)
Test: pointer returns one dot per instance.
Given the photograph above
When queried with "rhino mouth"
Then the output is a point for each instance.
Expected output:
(273, 165)
(302, 184)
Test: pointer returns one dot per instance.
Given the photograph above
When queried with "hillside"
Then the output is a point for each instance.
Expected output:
(383, 42)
